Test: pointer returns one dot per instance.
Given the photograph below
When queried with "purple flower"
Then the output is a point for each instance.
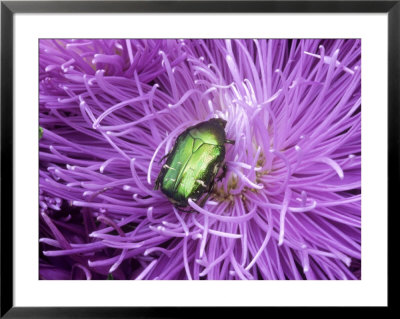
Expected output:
(289, 206)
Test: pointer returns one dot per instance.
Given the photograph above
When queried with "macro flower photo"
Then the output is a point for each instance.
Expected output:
(199, 159)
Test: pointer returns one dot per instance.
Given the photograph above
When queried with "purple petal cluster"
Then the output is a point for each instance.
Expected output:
(289, 206)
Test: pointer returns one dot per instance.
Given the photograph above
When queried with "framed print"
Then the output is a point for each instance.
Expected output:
(160, 155)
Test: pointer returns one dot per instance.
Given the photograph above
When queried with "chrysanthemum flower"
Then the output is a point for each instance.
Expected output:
(289, 206)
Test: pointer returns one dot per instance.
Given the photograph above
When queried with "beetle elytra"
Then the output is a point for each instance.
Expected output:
(193, 163)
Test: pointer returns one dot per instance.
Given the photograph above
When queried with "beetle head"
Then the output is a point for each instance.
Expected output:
(219, 121)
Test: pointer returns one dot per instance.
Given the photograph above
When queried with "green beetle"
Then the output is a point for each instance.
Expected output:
(193, 163)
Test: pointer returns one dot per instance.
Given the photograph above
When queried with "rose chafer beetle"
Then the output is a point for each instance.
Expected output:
(193, 163)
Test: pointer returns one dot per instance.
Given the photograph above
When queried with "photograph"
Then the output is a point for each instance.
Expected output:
(199, 159)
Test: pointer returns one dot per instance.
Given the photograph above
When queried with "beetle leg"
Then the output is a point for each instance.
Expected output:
(224, 170)
(164, 157)
(157, 183)
(204, 200)
(183, 210)
(230, 142)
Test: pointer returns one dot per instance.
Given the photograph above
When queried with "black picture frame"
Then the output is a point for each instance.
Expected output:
(9, 8)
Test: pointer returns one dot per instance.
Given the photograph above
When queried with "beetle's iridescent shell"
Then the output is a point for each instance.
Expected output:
(194, 162)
